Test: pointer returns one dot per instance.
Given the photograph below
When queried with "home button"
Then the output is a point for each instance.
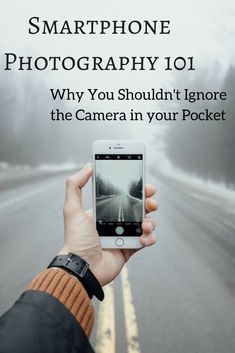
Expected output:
(119, 242)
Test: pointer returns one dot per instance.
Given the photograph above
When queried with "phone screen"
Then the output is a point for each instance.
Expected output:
(119, 194)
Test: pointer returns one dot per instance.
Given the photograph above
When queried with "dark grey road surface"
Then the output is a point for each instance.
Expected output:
(120, 208)
(183, 288)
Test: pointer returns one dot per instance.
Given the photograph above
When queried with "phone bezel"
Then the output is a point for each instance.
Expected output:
(120, 147)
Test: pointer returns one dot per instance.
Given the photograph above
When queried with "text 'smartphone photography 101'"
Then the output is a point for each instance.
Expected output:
(118, 191)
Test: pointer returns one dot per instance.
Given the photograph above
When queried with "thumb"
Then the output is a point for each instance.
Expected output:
(75, 183)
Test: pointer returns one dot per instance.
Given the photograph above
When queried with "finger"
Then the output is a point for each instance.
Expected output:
(151, 205)
(145, 240)
(148, 239)
(76, 182)
(150, 190)
(148, 225)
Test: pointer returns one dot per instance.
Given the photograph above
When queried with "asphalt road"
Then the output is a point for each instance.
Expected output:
(120, 208)
(177, 297)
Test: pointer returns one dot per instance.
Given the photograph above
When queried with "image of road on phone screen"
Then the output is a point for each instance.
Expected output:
(119, 188)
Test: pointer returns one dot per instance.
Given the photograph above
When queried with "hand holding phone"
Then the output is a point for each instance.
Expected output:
(81, 237)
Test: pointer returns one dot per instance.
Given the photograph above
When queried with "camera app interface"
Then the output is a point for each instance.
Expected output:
(119, 194)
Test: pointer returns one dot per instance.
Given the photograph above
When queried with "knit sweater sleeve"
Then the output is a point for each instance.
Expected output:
(69, 291)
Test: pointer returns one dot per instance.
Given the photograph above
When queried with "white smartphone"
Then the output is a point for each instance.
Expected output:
(118, 192)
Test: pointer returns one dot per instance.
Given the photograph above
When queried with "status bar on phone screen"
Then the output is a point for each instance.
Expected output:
(119, 156)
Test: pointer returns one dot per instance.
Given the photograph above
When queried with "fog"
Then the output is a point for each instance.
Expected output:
(206, 149)
(29, 137)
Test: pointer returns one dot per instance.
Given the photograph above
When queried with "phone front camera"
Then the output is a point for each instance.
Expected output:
(110, 148)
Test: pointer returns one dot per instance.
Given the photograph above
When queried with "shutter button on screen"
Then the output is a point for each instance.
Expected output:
(119, 242)
(119, 230)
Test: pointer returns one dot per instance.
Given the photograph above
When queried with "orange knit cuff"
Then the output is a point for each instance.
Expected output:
(69, 291)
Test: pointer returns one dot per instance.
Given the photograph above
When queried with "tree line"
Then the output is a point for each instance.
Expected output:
(206, 149)
(136, 188)
(105, 188)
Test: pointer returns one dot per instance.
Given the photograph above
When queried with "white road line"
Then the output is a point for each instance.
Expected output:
(123, 216)
(129, 315)
(105, 336)
(100, 202)
(120, 211)
(26, 195)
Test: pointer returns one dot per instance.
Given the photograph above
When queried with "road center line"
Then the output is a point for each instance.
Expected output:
(105, 336)
(129, 315)
(120, 210)
(123, 220)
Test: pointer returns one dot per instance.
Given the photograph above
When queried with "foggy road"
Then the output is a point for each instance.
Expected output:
(121, 208)
(176, 297)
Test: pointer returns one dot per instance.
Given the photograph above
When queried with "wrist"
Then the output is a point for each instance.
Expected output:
(80, 268)
(93, 264)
